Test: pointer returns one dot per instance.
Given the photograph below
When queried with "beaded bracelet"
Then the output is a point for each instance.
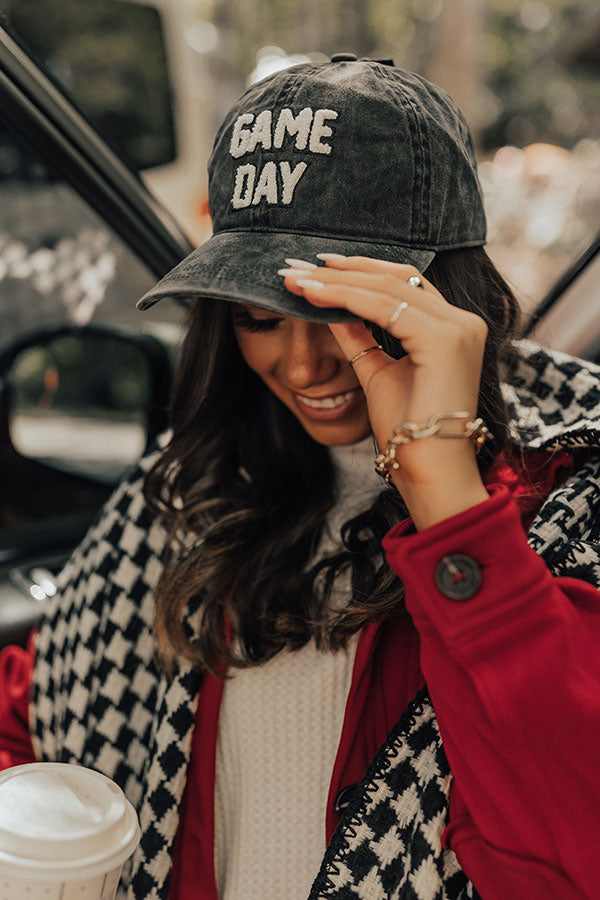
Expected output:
(386, 461)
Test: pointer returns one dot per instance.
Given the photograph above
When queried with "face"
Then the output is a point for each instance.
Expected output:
(303, 365)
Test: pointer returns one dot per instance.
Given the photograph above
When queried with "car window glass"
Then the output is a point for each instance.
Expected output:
(61, 267)
(59, 262)
(111, 56)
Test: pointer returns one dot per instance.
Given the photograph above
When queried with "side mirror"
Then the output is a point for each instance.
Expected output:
(77, 407)
(84, 401)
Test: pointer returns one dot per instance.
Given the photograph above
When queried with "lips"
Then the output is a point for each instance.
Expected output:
(330, 408)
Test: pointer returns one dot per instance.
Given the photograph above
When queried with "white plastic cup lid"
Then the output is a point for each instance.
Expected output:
(63, 820)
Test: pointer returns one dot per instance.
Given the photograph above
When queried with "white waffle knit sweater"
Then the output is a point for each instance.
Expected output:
(279, 730)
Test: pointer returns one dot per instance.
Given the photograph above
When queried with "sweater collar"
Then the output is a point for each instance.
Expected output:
(355, 471)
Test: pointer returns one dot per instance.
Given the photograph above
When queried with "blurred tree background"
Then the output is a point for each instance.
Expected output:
(522, 70)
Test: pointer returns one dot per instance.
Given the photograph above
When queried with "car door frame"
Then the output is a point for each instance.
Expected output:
(49, 124)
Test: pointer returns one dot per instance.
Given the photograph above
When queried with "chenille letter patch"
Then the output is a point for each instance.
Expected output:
(276, 181)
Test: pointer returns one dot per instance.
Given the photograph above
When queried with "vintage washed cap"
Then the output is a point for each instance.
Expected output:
(353, 156)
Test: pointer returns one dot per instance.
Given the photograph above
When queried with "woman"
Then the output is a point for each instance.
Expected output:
(285, 716)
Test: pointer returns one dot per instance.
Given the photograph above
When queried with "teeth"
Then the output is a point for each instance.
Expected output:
(328, 402)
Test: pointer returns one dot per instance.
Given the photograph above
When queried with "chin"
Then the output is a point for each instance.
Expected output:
(338, 435)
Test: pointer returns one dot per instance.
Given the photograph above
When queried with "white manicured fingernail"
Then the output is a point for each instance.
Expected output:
(300, 264)
(309, 283)
(294, 272)
(330, 256)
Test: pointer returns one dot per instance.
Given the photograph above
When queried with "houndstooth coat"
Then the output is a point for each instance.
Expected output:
(101, 699)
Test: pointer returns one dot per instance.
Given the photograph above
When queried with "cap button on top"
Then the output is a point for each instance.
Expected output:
(458, 577)
(344, 57)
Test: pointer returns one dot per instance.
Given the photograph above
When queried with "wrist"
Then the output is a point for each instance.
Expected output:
(454, 426)
(449, 484)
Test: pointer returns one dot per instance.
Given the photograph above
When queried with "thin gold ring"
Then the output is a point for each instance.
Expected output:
(364, 353)
(396, 314)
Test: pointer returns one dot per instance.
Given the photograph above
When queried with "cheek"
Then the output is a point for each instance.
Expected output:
(260, 351)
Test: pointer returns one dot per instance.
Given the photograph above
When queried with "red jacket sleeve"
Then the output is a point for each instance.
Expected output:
(16, 669)
(514, 676)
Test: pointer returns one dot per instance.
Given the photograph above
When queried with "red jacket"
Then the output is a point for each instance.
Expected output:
(515, 685)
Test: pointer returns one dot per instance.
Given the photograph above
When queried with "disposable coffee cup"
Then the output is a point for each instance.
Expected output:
(65, 832)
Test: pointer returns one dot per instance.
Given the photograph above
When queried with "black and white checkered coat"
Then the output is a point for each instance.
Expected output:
(100, 698)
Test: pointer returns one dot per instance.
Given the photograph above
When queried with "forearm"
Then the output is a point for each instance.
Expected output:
(439, 479)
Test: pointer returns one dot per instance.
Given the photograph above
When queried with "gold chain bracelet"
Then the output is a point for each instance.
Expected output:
(386, 461)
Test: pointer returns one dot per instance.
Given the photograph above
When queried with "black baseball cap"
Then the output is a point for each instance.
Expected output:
(354, 156)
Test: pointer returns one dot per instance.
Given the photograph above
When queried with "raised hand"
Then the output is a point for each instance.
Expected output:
(440, 373)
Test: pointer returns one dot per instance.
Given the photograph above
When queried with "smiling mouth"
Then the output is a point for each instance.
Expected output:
(331, 408)
(332, 402)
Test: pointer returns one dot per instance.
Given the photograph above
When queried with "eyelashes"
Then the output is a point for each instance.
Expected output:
(244, 320)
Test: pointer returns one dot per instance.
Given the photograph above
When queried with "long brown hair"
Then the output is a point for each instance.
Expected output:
(245, 493)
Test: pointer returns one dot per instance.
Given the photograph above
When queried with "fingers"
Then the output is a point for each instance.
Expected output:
(388, 280)
(354, 338)
(378, 291)
(384, 280)
(375, 306)
(300, 263)
(367, 264)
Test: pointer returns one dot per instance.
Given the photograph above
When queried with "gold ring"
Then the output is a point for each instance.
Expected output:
(364, 353)
(396, 314)
(415, 281)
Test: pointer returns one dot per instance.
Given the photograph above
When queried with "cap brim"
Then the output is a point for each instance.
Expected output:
(241, 266)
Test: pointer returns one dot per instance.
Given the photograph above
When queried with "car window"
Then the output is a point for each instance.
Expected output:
(111, 56)
(80, 370)
(72, 401)
(59, 262)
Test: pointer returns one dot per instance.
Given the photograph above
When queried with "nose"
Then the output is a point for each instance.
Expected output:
(311, 355)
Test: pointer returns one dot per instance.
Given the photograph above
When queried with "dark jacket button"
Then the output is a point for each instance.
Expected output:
(458, 577)
(344, 798)
(344, 57)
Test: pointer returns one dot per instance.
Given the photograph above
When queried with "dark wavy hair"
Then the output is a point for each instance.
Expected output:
(245, 492)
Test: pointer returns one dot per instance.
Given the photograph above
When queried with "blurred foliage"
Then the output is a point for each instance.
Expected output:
(548, 91)
(110, 56)
(537, 81)
(542, 206)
